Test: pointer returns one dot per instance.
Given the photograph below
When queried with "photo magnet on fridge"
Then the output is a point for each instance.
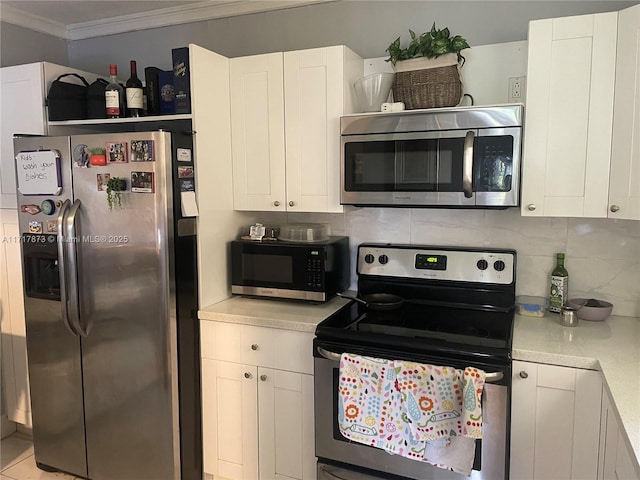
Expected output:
(185, 172)
(80, 155)
(142, 151)
(142, 182)
(30, 209)
(35, 227)
(187, 185)
(101, 180)
(116, 152)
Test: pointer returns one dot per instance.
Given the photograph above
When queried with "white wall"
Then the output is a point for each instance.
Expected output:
(602, 255)
(366, 26)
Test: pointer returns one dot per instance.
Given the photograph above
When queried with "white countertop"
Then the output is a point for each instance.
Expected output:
(287, 314)
(612, 346)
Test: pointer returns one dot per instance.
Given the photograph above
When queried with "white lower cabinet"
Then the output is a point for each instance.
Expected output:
(615, 458)
(15, 373)
(555, 425)
(257, 402)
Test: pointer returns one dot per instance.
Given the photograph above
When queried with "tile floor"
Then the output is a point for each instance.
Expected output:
(18, 463)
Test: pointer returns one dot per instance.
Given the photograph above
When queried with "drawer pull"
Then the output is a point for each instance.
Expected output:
(524, 374)
(255, 347)
(263, 378)
(248, 375)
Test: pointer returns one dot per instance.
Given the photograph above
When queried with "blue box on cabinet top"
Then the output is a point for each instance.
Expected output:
(167, 92)
(181, 79)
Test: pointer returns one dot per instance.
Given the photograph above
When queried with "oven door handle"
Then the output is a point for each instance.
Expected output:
(329, 355)
(489, 378)
(493, 377)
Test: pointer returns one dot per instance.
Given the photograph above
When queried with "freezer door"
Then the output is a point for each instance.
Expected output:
(127, 309)
(55, 376)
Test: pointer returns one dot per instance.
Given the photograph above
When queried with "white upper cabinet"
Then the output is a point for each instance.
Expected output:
(22, 110)
(23, 92)
(569, 116)
(624, 191)
(285, 117)
(257, 132)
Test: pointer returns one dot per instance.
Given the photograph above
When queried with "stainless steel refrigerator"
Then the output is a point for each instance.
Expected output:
(111, 302)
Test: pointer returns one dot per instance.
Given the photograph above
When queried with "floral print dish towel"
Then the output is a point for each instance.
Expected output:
(423, 412)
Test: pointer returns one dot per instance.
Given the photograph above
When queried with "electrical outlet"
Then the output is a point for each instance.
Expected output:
(516, 89)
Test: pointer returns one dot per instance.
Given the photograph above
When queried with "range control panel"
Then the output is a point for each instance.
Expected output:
(495, 266)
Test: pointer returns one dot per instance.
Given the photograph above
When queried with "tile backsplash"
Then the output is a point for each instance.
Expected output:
(602, 255)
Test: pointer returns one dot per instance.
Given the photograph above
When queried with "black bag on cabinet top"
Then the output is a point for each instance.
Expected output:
(96, 106)
(67, 101)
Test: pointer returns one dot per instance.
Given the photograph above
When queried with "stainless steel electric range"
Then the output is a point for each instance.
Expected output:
(438, 305)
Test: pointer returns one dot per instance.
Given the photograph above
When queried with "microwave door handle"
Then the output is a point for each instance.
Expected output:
(467, 164)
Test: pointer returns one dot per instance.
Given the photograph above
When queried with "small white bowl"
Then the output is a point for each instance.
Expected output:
(595, 313)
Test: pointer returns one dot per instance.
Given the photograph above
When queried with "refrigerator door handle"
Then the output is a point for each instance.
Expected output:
(72, 259)
(62, 266)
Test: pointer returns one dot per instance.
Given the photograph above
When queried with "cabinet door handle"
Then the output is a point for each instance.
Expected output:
(531, 207)
(255, 347)
(276, 203)
(524, 374)
(248, 375)
(614, 208)
(292, 203)
(263, 378)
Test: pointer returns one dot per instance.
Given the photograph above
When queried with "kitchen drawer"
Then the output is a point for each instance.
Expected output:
(261, 346)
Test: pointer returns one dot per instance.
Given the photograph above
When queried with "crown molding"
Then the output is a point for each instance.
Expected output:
(195, 12)
(37, 23)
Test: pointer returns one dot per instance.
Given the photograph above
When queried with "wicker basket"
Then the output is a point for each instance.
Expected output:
(428, 88)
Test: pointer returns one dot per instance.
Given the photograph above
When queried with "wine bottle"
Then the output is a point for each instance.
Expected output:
(559, 285)
(135, 106)
(114, 94)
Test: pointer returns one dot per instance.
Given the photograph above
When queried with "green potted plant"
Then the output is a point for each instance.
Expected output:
(97, 156)
(432, 44)
(426, 69)
(115, 187)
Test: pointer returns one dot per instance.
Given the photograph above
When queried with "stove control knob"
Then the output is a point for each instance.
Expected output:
(499, 265)
(482, 264)
(383, 259)
(369, 258)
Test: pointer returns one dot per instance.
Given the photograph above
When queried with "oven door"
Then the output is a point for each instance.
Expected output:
(340, 458)
(463, 168)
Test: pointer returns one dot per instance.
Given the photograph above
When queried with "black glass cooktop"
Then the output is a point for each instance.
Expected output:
(419, 327)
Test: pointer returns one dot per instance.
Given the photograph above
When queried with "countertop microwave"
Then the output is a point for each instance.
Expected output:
(303, 271)
(465, 157)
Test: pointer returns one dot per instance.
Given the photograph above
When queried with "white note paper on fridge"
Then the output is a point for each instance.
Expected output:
(188, 204)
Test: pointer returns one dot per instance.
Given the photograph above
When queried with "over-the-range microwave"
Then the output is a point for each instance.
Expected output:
(465, 157)
(302, 271)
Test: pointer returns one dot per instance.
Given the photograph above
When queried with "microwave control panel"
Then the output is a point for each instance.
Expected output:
(314, 269)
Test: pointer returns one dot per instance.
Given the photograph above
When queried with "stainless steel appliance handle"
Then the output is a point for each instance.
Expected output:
(72, 258)
(330, 475)
(467, 164)
(329, 355)
(489, 378)
(62, 266)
